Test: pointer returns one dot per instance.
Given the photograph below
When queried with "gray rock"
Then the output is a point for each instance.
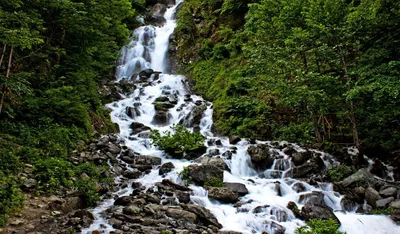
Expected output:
(182, 215)
(201, 173)
(147, 160)
(131, 210)
(240, 188)
(371, 196)
(29, 184)
(215, 161)
(388, 192)
(166, 168)
(132, 174)
(362, 175)
(395, 204)
(308, 168)
(227, 195)
(233, 140)
(318, 211)
(204, 215)
(138, 127)
(124, 201)
(299, 158)
(114, 149)
(158, 10)
(383, 203)
(258, 153)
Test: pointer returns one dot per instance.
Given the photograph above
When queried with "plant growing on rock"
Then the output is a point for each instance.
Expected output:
(317, 226)
(179, 142)
(340, 172)
(214, 182)
(185, 175)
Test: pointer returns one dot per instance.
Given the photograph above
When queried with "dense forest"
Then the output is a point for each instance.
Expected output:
(324, 71)
(55, 56)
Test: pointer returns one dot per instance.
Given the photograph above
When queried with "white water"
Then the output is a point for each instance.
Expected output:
(148, 50)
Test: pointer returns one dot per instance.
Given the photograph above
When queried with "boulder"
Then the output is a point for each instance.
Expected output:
(147, 160)
(124, 201)
(132, 174)
(216, 161)
(371, 196)
(146, 74)
(388, 192)
(138, 127)
(131, 210)
(158, 10)
(204, 215)
(166, 168)
(318, 211)
(182, 215)
(383, 203)
(29, 184)
(362, 175)
(240, 188)
(260, 156)
(132, 111)
(233, 140)
(114, 149)
(201, 173)
(298, 158)
(161, 117)
(308, 168)
(227, 195)
(395, 204)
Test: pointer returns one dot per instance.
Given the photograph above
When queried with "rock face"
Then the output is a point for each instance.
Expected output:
(228, 195)
(201, 173)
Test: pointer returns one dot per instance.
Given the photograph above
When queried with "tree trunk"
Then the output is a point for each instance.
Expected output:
(356, 140)
(316, 127)
(5, 88)
(2, 55)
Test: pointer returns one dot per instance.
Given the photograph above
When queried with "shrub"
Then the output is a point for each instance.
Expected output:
(317, 226)
(11, 197)
(87, 189)
(182, 141)
(387, 211)
(52, 173)
(185, 175)
(214, 182)
(340, 172)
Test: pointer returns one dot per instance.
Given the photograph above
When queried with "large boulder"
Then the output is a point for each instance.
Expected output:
(383, 203)
(146, 74)
(201, 173)
(388, 191)
(318, 211)
(204, 216)
(299, 158)
(228, 195)
(182, 215)
(132, 111)
(240, 188)
(195, 116)
(138, 127)
(233, 140)
(371, 196)
(216, 161)
(362, 175)
(315, 165)
(161, 117)
(260, 157)
(158, 10)
(166, 168)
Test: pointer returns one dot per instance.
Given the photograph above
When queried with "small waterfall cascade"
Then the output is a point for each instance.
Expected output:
(264, 208)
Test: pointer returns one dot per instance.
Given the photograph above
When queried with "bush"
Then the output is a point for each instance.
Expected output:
(214, 182)
(87, 189)
(185, 175)
(340, 172)
(11, 197)
(52, 173)
(316, 226)
(387, 211)
(182, 141)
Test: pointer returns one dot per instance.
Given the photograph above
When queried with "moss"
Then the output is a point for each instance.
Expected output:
(214, 182)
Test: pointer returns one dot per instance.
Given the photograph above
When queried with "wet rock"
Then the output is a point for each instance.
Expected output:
(161, 117)
(85, 216)
(147, 160)
(388, 192)
(146, 74)
(194, 117)
(182, 215)
(240, 188)
(260, 156)
(308, 168)
(293, 207)
(175, 185)
(132, 111)
(227, 195)
(201, 173)
(114, 149)
(314, 197)
(298, 158)
(277, 228)
(361, 176)
(166, 168)
(215, 161)
(213, 152)
(383, 203)
(204, 215)
(138, 127)
(132, 174)
(348, 203)
(158, 10)
(299, 187)
(183, 197)
(318, 211)
(124, 201)
(371, 196)
(233, 140)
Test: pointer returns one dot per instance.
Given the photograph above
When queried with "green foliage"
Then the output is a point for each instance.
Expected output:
(87, 188)
(386, 211)
(11, 197)
(317, 226)
(165, 232)
(185, 175)
(214, 182)
(340, 172)
(52, 173)
(181, 141)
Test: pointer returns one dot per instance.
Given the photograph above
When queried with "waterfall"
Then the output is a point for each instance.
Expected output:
(147, 50)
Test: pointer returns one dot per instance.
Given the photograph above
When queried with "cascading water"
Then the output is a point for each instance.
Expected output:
(263, 209)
